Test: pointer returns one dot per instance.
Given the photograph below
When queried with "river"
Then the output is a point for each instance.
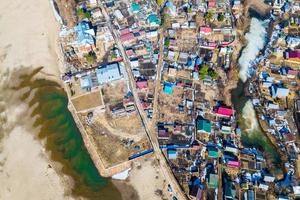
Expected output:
(252, 135)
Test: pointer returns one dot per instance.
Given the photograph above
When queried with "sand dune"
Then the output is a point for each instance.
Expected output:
(27, 38)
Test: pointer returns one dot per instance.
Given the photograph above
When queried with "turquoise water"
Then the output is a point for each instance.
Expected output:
(63, 138)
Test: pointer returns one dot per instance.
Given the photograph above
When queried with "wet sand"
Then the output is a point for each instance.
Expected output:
(27, 38)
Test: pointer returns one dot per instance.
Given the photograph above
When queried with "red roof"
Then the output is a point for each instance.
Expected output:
(225, 111)
(211, 4)
(130, 52)
(205, 30)
(142, 84)
(162, 133)
(180, 84)
(292, 72)
(136, 30)
(212, 44)
(233, 164)
(145, 105)
(289, 137)
(129, 100)
(127, 37)
(293, 54)
(124, 31)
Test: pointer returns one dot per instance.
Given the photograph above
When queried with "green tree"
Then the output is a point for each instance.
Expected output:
(81, 13)
(90, 58)
(203, 71)
(160, 2)
(213, 74)
(221, 17)
(167, 42)
(88, 14)
(209, 15)
(294, 25)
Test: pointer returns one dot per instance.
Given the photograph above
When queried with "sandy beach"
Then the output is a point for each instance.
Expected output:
(148, 181)
(28, 35)
(26, 172)
(27, 39)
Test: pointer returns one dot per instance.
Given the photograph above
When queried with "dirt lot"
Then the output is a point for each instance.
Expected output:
(112, 137)
(123, 127)
(168, 106)
(110, 148)
(114, 93)
(88, 101)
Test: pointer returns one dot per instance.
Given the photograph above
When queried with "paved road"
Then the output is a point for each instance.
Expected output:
(149, 127)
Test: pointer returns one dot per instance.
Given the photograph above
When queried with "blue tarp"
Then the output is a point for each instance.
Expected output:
(142, 153)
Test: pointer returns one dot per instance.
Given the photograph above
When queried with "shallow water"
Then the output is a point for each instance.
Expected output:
(63, 138)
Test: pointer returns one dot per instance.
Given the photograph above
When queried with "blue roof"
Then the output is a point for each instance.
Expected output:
(284, 130)
(168, 88)
(199, 61)
(172, 154)
(82, 36)
(189, 62)
(108, 73)
(129, 94)
(279, 91)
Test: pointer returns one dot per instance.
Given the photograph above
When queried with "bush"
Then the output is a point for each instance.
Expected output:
(81, 13)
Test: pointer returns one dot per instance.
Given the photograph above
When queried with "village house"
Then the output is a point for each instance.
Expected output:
(85, 38)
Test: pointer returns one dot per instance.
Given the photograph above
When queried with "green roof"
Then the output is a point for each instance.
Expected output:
(135, 7)
(203, 125)
(213, 181)
(213, 154)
